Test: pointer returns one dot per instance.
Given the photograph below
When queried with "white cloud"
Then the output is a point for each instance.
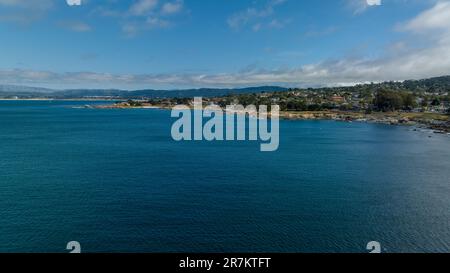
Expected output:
(172, 7)
(436, 18)
(256, 16)
(374, 2)
(142, 7)
(149, 14)
(359, 6)
(73, 2)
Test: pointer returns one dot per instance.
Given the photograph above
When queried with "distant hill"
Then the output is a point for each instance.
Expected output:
(23, 89)
(433, 85)
(437, 84)
(30, 92)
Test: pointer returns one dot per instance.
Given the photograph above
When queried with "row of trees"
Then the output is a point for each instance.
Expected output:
(385, 100)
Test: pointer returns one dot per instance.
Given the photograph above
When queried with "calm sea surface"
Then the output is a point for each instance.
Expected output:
(115, 181)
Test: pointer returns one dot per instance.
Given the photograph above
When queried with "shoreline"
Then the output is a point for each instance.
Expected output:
(439, 123)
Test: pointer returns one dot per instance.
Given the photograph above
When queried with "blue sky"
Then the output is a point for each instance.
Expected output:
(221, 43)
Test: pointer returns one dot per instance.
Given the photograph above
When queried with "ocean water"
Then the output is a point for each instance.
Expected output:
(115, 181)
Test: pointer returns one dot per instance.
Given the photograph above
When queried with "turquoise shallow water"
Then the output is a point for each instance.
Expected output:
(116, 182)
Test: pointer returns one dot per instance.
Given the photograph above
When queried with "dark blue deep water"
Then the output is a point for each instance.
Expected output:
(115, 181)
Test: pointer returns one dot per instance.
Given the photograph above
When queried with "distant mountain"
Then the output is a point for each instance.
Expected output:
(29, 92)
(24, 89)
(434, 85)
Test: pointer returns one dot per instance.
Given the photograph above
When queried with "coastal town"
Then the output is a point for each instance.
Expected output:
(423, 103)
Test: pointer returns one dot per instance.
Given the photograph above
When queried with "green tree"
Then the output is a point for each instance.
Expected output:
(388, 100)
(409, 101)
(436, 102)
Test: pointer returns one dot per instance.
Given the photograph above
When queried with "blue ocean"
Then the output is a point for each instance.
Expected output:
(115, 181)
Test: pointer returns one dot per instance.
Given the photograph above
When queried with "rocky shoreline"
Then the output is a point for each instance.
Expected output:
(420, 120)
(439, 123)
